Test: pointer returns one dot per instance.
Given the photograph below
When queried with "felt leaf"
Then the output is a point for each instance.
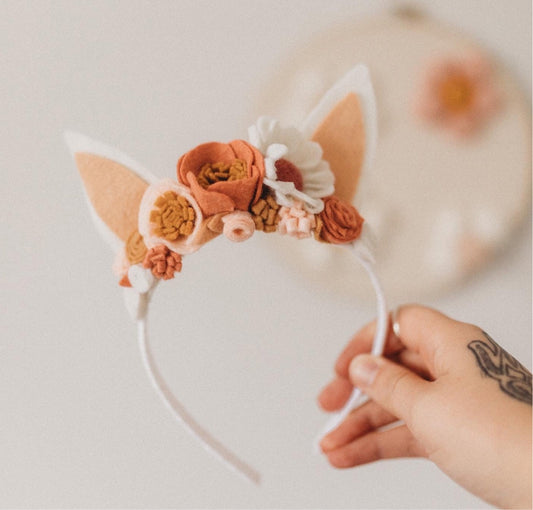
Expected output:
(345, 125)
(114, 185)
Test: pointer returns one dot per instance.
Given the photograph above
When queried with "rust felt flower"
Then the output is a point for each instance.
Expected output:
(223, 176)
(339, 221)
(162, 262)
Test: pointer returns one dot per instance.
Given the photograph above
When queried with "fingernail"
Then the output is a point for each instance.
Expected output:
(363, 371)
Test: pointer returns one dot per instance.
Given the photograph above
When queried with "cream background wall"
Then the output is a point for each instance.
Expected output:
(244, 342)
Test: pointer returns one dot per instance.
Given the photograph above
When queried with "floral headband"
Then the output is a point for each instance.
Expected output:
(281, 180)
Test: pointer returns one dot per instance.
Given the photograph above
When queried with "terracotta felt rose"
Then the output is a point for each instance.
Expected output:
(223, 176)
(341, 223)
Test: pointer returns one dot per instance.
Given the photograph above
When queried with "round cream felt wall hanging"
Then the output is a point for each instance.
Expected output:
(450, 181)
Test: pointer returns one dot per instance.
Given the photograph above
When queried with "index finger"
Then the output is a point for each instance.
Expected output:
(361, 343)
(420, 329)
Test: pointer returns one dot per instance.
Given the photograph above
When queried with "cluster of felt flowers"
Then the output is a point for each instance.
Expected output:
(275, 182)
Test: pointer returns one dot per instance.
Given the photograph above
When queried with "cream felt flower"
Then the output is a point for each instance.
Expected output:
(169, 215)
(294, 168)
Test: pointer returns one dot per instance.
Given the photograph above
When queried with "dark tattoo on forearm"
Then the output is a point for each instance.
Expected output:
(513, 377)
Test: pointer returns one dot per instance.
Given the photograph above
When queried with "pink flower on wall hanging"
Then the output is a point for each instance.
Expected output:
(458, 94)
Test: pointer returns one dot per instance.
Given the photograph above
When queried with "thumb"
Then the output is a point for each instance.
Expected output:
(394, 387)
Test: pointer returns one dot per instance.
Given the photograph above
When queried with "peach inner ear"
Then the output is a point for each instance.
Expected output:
(115, 192)
(342, 138)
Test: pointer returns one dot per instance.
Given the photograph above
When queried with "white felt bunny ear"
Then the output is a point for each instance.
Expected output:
(114, 185)
(344, 123)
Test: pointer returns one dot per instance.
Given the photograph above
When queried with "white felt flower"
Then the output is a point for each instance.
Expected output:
(294, 167)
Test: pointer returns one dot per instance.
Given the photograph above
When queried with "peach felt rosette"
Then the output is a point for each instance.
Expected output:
(238, 226)
(223, 177)
(169, 215)
(296, 222)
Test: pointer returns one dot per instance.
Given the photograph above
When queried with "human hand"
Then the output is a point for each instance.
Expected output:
(464, 402)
